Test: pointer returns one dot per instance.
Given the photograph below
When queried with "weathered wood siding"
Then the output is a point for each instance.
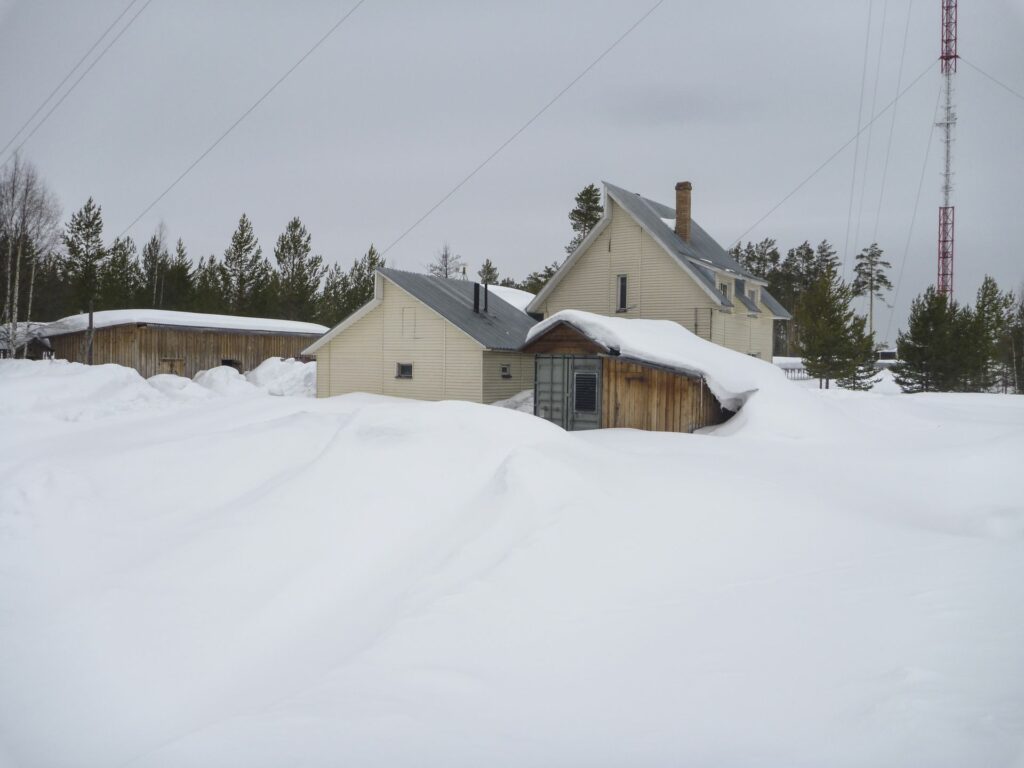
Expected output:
(496, 386)
(153, 349)
(638, 396)
(447, 364)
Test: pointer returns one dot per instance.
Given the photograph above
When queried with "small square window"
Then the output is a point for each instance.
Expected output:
(506, 371)
(403, 370)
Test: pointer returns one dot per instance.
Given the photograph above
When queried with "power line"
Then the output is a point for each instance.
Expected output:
(67, 76)
(82, 76)
(892, 125)
(244, 115)
(913, 217)
(523, 127)
(835, 154)
(1002, 85)
(856, 148)
(871, 131)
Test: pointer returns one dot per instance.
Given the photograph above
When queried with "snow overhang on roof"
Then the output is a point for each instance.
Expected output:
(112, 317)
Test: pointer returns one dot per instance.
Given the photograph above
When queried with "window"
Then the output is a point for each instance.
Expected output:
(752, 293)
(403, 370)
(506, 371)
(585, 394)
(232, 364)
(724, 289)
(622, 304)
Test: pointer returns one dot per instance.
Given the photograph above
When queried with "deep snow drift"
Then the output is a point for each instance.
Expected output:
(208, 580)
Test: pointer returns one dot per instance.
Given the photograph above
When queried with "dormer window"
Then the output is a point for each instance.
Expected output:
(752, 294)
(723, 288)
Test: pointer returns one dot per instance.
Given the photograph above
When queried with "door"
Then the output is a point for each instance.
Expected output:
(175, 365)
(584, 393)
(549, 389)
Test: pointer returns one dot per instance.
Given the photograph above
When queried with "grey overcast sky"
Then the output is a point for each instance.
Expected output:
(742, 98)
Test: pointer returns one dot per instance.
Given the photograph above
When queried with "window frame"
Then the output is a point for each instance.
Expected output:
(622, 293)
(505, 370)
(723, 288)
(399, 373)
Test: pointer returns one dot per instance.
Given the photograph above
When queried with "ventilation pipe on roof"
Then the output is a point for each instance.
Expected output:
(486, 294)
(683, 189)
(476, 297)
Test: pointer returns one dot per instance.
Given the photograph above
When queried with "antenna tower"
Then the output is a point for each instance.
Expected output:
(947, 63)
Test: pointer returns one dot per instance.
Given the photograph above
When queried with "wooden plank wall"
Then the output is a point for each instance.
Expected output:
(144, 347)
(640, 397)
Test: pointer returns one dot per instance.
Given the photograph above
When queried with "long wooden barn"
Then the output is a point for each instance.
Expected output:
(156, 341)
(580, 382)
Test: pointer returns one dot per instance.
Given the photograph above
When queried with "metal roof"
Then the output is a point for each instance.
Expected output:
(701, 253)
(502, 326)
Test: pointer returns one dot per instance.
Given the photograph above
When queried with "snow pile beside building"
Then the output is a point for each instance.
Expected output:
(523, 402)
(278, 376)
(110, 317)
(225, 380)
(267, 581)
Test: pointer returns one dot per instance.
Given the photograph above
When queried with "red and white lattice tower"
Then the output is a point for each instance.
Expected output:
(947, 63)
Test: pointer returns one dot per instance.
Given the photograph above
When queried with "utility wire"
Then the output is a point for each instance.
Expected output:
(856, 148)
(871, 130)
(244, 115)
(913, 217)
(523, 127)
(81, 77)
(1002, 85)
(67, 76)
(892, 126)
(835, 154)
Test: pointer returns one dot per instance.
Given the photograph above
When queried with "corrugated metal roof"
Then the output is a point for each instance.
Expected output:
(699, 253)
(502, 326)
(776, 309)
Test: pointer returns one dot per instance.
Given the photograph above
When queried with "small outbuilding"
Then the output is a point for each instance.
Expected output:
(156, 341)
(594, 372)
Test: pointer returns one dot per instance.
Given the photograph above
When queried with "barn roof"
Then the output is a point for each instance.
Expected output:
(731, 376)
(111, 317)
(503, 326)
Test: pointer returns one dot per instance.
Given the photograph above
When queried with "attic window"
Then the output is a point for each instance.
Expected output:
(622, 303)
(723, 288)
(403, 370)
(752, 294)
(506, 371)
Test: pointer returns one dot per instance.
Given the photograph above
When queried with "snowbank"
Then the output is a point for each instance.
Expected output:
(523, 402)
(285, 377)
(267, 581)
(110, 317)
(225, 380)
(517, 298)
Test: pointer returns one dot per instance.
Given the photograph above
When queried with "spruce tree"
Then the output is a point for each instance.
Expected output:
(992, 315)
(209, 293)
(248, 278)
(120, 278)
(488, 273)
(870, 279)
(83, 242)
(931, 353)
(830, 332)
(178, 282)
(332, 303)
(585, 215)
(299, 272)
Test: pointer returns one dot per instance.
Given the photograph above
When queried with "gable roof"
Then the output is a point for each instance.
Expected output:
(700, 257)
(502, 326)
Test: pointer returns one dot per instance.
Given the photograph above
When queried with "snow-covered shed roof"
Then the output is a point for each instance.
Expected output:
(111, 317)
(731, 376)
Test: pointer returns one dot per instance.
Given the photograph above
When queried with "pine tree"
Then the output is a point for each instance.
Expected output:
(870, 279)
(209, 293)
(332, 303)
(585, 215)
(488, 273)
(447, 264)
(830, 332)
(178, 283)
(861, 352)
(248, 278)
(120, 278)
(992, 315)
(535, 281)
(761, 260)
(154, 269)
(344, 293)
(509, 282)
(932, 351)
(299, 272)
(83, 241)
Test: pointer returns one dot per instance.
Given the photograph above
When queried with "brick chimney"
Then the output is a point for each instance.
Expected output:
(683, 189)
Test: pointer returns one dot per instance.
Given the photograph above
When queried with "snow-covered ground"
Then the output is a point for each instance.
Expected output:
(199, 575)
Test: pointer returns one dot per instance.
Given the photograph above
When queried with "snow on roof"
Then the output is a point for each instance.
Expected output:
(111, 317)
(517, 298)
(731, 376)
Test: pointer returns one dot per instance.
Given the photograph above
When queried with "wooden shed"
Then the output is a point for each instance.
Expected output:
(156, 341)
(581, 383)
